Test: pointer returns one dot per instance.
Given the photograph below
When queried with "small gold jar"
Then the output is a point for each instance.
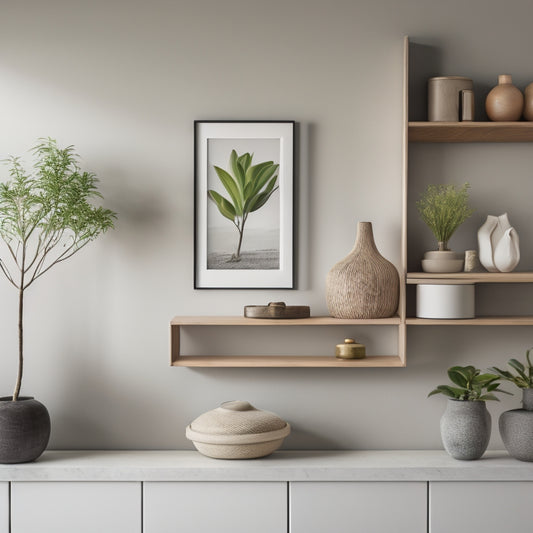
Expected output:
(350, 350)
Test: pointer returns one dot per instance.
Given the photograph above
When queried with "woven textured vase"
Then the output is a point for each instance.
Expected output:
(364, 284)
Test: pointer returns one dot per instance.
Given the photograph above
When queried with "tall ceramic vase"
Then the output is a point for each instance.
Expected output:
(465, 429)
(364, 284)
(516, 428)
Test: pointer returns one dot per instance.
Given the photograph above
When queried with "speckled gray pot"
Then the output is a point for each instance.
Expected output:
(465, 429)
(516, 429)
(24, 429)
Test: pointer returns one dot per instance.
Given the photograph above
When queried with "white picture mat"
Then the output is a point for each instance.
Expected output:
(279, 278)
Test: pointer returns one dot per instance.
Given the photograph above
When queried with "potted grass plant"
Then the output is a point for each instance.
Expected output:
(466, 424)
(46, 216)
(443, 208)
(516, 425)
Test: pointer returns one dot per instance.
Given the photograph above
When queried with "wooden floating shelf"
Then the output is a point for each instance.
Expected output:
(311, 321)
(415, 278)
(462, 132)
(282, 361)
(286, 361)
(478, 321)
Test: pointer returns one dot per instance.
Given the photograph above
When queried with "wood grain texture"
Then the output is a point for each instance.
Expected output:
(415, 278)
(311, 321)
(286, 361)
(464, 132)
(479, 321)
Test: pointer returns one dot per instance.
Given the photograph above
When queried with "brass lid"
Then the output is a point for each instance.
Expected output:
(350, 350)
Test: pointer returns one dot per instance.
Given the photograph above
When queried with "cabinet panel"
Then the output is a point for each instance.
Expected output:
(4, 507)
(488, 506)
(80, 507)
(358, 507)
(206, 507)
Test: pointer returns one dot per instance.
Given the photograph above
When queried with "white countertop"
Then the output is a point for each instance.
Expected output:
(405, 465)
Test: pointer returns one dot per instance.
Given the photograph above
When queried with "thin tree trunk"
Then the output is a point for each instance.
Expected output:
(21, 344)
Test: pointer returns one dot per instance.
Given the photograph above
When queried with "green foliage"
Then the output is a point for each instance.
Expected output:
(469, 384)
(444, 208)
(46, 216)
(523, 378)
(249, 188)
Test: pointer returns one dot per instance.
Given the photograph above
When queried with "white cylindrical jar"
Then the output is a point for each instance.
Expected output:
(445, 301)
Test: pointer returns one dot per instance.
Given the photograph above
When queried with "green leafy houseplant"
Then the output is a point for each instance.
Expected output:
(523, 378)
(444, 208)
(249, 188)
(45, 218)
(469, 384)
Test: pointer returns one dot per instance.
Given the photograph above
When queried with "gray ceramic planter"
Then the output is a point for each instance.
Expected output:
(24, 429)
(465, 429)
(516, 429)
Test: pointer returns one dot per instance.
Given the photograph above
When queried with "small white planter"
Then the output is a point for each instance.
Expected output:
(445, 301)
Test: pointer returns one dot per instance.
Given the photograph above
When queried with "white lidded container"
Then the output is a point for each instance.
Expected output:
(237, 430)
(445, 301)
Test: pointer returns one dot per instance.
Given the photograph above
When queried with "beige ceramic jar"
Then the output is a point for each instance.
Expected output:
(528, 102)
(505, 102)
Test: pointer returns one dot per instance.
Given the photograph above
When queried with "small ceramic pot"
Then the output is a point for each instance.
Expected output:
(516, 429)
(465, 429)
(442, 261)
(528, 102)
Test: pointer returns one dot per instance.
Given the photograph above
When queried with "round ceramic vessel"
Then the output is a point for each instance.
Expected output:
(24, 429)
(237, 430)
(465, 429)
(445, 301)
(516, 429)
(505, 102)
(441, 262)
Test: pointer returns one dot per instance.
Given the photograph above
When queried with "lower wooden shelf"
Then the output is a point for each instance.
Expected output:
(478, 321)
(286, 361)
(282, 361)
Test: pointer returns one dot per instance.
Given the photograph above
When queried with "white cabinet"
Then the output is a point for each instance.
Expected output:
(488, 506)
(358, 507)
(221, 507)
(76, 507)
(4, 507)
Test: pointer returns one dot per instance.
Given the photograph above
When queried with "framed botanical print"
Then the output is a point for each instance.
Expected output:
(244, 176)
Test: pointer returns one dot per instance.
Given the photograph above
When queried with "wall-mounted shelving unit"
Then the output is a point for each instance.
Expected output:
(459, 132)
(286, 361)
(413, 132)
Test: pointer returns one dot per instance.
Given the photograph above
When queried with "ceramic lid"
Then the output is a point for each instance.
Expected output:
(237, 422)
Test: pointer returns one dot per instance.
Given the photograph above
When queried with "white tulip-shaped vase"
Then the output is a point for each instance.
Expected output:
(499, 247)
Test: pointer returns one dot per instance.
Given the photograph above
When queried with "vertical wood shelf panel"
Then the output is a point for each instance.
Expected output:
(281, 361)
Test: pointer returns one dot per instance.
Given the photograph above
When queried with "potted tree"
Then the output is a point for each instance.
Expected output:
(466, 424)
(516, 425)
(46, 216)
(443, 208)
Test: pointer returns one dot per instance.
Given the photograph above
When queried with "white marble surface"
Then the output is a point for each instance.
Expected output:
(402, 465)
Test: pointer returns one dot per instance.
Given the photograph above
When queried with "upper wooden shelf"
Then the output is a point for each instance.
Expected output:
(311, 321)
(464, 132)
(415, 278)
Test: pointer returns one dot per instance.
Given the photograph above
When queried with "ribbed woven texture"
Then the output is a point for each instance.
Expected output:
(364, 284)
(225, 421)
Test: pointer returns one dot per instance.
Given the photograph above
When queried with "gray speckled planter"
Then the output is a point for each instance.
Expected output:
(24, 429)
(516, 429)
(465, 429)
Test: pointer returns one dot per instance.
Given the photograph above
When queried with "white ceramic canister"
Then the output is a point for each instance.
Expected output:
(445, 301)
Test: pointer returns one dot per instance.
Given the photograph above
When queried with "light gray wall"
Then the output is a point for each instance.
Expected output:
(123, 82)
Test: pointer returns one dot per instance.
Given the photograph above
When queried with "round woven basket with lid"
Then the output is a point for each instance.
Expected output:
(237, 430)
